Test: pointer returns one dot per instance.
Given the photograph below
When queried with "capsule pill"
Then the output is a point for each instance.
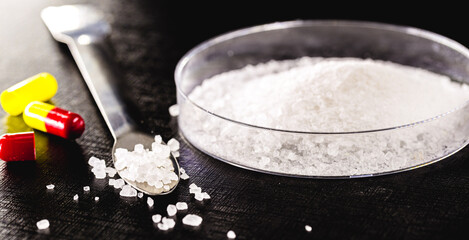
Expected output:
(40, 87)
(51, 119)
(17, 147)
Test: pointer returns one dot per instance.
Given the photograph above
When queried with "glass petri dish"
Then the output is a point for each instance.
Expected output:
(323, 154)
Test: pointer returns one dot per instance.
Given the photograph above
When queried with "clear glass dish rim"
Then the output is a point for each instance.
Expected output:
(302, 23)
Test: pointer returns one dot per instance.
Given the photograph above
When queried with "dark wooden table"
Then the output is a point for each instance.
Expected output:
(149, 38)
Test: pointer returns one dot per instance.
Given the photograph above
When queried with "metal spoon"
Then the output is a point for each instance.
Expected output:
(85, 31)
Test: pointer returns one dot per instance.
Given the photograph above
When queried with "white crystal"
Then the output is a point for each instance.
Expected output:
(231, 234)
(195, 190)
(43, 224)
(171, 209)
(205, 195)
(308, 228)
(100, 174)
(128, 191)
(96, 199)
(75, 197)
(111, 172)
(93, 161)
(150, 202)
(139, 148)
(184, 176)
(119, 183)
(174, 110)
(158, 139)
(163, 226)
(192, 220)
(173, 144)
(168, 222)
(156, 218)
(139, 195)
(192, 186)
(112, 181)
(50, 186)
(199, 196)
(86, 188)
(181, 206)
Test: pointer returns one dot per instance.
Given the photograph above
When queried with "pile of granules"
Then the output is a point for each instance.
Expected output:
(153, 167)
(326, 95)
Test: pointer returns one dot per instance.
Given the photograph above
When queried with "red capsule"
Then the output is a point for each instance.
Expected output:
(17, 147)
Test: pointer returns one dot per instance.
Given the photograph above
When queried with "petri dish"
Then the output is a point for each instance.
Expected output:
(356, 154)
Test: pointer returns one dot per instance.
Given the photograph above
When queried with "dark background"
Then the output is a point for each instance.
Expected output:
(149, 38)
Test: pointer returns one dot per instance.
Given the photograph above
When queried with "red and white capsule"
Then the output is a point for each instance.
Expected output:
(51, 119)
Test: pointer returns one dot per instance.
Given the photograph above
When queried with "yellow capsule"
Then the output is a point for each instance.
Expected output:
(40, 87)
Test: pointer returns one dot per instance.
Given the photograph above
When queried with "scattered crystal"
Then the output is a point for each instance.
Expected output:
(192, 220)
(111, 172)
(163, 226)
(174, 110)
(150, 202)
(93, 161)
(171, 209)
(168, 222)
(96, 199)
(308, 228)
(181, 206)
(75, 197)
(231, 234)
(199, 196)
(43, 224)
(195, 190)
(139, 195)
(128, 191)
(205, 195)
(156, 218)
(112, 181)
(192, 186)
(184, 176)
(119, 183)
(50, 186)
(86, 188)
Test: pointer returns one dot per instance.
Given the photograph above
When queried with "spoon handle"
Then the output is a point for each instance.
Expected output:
(93, 59)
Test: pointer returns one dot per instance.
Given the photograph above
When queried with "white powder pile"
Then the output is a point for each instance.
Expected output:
(152, 167)
(325, 95)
